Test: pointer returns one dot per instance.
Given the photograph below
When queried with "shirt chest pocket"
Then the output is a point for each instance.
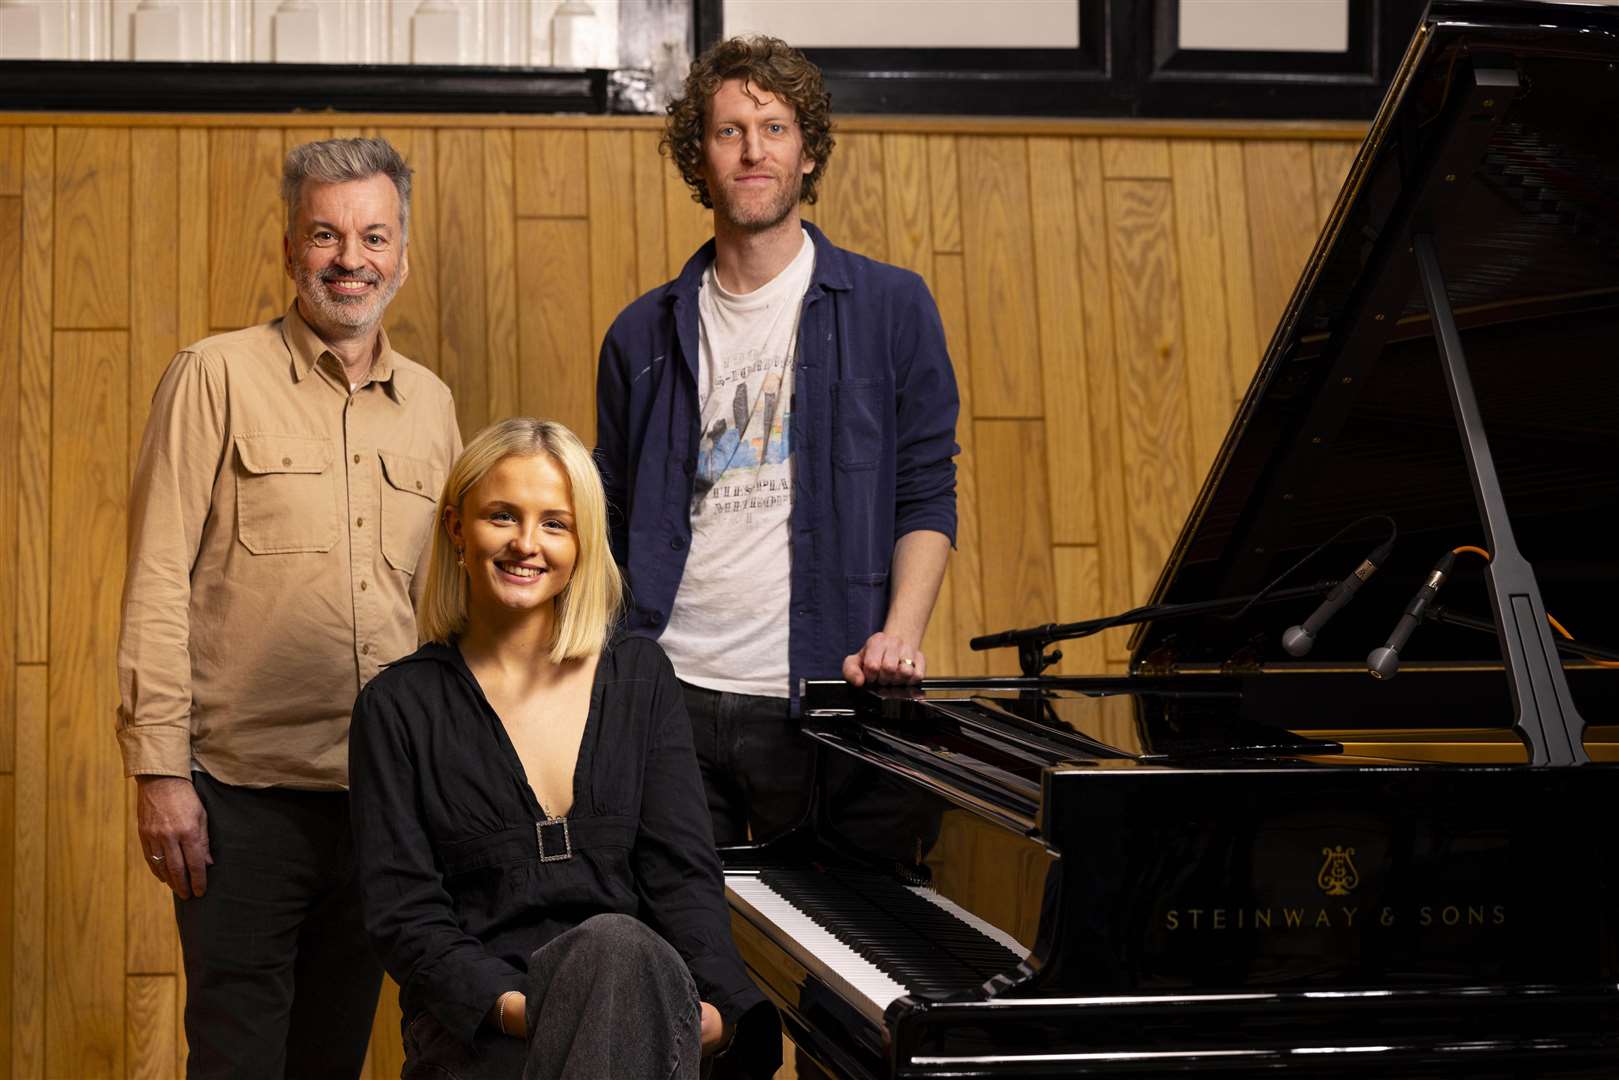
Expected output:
(285, 499)
(410, 492)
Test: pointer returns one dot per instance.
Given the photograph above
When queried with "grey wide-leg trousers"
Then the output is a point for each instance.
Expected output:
(607, 1000)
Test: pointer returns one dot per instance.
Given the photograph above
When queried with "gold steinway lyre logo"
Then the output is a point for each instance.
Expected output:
(1338, 875)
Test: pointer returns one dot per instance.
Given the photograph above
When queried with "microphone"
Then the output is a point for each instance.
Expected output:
(1384, 662)
(1298, 640)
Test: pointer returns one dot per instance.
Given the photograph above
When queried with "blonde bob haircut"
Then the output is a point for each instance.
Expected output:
(588, 605)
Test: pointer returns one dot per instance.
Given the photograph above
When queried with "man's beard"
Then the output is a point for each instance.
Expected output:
(756, 218)
(351, 312)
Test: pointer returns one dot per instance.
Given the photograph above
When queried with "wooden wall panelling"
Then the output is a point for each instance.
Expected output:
(945, 203)
(413, 317)
(1151, 372)
(1281, 217)
(1329, 166)
(92, 228)
(996, 232)
(551, 178)
(965, 617)
(1107, 463)
(386, 1054)
(1135, 159)
(1202, 289)
(651, 237)
(557, 356)
(84, 1000)
(500, 273)
(851, 207)
(191, 236)
(154, 337)
(11, 256)
(1077, 574)
(1058, 285)
(28, 898)
(908, 219)
(1015, 529)
(614, 263)
(1247, 338)
(11, 141)
(687, 224)
(34, 405)
(246, 282)
(149, 1027)
(8, 869)
(463, 360)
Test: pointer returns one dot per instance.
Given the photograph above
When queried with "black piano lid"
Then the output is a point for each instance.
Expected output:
(1348, 414)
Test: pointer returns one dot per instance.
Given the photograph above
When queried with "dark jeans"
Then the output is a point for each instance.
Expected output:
(607, 1000)
(280, 979)
(758, 768)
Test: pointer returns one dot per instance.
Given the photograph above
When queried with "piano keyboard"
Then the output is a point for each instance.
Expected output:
(880, 939)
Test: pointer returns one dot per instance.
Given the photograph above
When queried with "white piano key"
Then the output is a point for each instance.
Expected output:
(989, 930)
(876, 989)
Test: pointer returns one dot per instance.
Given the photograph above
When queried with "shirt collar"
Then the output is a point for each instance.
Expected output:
(307, 350)
(831, 265)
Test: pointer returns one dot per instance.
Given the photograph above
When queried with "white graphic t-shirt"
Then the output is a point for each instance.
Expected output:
(728, 628)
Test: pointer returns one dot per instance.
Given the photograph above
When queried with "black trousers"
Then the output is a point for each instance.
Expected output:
(280, 979)
(758, 768)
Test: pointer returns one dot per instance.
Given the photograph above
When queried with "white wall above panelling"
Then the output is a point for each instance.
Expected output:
(505, 33)
(1265, 25)
(980, 24)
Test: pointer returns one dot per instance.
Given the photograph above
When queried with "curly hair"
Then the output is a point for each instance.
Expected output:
(769, 64)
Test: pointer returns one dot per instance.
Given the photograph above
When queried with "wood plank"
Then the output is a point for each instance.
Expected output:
(1329, 166)
(614, 260)
(557, 359)
(851, 198)
(1236, 257)
(651, 238)
(550, 182)
(84, 926)
(34, 406)
(11, 257)
(11, 140)
(1107, 462)
(687, 224)
(965, 573)
(27, 899)
(1062, 342)
(151, 1004)
(195, 258)
(996, 236)
(907, 217)
(1202, 288)
(413, 317)
(1078, 576)
(1135, 159)
(8, 882)
(945, 194)
(245, 228)
(386, 1054)
(463, 362)
(1018, 584)
(92, 228)
(154, 312)
(500, 272)
(1281, 219)
(1152, 372)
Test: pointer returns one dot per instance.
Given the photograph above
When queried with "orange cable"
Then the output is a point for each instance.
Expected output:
(1469, 549)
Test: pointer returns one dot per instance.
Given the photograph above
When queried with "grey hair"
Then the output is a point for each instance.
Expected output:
(338, 161)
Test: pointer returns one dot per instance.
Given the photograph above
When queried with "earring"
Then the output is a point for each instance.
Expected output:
(461, 557)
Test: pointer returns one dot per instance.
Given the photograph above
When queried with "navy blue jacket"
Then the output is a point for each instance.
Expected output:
(874, 421)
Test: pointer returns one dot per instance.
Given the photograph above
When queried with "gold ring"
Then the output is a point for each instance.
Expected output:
(907, 661)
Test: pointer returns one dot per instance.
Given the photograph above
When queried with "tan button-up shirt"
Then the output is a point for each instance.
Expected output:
(278, 538)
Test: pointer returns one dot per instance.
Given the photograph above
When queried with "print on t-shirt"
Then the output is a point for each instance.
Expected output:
(731, 459)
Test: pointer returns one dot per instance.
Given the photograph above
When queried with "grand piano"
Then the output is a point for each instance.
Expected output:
(1236, 860)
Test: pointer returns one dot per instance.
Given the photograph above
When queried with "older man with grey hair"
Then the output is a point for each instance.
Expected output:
(278, 519)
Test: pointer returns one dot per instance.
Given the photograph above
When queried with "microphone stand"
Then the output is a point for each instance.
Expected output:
(1031, 641)
(1441, 614)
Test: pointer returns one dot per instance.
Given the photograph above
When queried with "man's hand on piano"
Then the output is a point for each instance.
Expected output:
(885, 660)
(714, 1035)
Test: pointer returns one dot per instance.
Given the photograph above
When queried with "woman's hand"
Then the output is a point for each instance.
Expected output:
(713, 1028)
(513, 1014)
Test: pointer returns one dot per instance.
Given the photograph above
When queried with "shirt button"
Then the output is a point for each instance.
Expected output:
(286, 462)
(359, 523)
(418, 485)
(363, 586)
(365, 650)
(356, 459)
(678, 543)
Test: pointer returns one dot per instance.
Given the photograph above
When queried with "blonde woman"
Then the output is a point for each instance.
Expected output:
(534, 846)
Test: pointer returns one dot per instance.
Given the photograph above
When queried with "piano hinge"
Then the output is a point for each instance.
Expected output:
(1161, 661)
(1247, 660)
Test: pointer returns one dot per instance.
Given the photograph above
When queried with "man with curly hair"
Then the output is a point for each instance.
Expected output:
(776, 429)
